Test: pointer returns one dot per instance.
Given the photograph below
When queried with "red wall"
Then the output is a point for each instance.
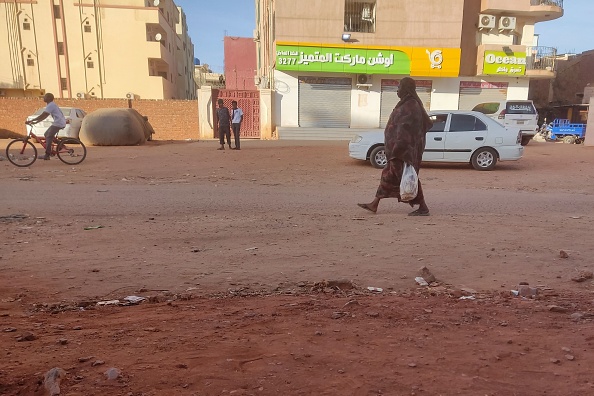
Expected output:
(171, 119)
(240, 63)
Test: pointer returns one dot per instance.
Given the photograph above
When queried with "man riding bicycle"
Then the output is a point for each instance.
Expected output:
(59, 123)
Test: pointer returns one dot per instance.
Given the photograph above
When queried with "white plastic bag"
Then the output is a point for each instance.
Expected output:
(409, 184)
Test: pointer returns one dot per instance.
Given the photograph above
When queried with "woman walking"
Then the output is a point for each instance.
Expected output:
(404, 142)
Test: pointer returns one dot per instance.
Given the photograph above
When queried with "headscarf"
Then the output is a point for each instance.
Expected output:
(408, 90)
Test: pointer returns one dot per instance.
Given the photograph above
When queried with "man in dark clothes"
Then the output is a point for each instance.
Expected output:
(404, 142)
(224, 124)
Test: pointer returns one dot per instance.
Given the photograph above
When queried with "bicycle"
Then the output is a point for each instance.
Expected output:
(22, 152)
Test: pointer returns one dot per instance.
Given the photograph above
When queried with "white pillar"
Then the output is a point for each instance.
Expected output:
(266, 121)
(205, 113)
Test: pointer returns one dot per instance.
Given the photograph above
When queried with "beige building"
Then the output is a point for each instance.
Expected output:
(337, 63)
(96, 49)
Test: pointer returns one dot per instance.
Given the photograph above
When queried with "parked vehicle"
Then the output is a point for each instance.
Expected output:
(74, 119)
(520, 113)
(456, 136)
(567, 132)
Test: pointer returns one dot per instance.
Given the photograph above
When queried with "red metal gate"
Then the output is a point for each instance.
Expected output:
(249, 102)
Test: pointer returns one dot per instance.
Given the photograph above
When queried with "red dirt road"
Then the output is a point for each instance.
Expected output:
(229, 246)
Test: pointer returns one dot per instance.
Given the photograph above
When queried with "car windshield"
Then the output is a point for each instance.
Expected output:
(65, 111)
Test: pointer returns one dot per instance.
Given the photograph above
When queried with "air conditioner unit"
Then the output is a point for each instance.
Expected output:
(486, 21)
(364, 80)
(131, 95)
(82, 95)
(507, 23)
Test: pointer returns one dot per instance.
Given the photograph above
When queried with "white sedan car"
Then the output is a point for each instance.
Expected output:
(456, 136)
(74, 118)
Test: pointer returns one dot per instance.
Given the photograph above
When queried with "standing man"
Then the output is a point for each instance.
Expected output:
(53, 110)
(236, 119)
(224, 124)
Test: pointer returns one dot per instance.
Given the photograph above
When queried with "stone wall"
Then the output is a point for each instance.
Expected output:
(171, 119)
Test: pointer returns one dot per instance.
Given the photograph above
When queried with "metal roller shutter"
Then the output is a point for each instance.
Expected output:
(390, 98)
(475, 92)
(325, 102)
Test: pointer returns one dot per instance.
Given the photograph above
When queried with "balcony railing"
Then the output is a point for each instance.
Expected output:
(557, 3)
(540, 58)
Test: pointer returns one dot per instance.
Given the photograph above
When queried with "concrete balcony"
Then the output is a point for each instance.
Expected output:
(538, 10)
(516, 61)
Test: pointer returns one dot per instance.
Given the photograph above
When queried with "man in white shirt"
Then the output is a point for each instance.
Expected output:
(236, 119)
(53, 110)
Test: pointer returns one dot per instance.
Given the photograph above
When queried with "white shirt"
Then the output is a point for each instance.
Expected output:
(56, 113)
(237, 113)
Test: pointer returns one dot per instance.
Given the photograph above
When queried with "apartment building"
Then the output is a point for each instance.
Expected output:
(96, 49)
(337, 63)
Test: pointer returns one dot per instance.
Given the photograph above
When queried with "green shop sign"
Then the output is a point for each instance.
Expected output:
(341, 60)
(504, 63)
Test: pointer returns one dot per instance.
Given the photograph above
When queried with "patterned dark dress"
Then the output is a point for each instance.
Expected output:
(404, 141)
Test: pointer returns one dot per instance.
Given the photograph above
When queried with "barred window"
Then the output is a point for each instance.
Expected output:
(64, 84)
(26, 25)
(57, 12)
(359, 16)
(87, 28)
(90, 65)
(30, 62)
(60, 48)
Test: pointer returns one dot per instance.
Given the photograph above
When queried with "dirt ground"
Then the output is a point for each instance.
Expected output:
(231, 250)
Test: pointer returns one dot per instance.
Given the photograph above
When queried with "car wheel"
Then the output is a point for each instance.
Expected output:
(526, 140)
(378, 157)
(569, 139)
(484, 159)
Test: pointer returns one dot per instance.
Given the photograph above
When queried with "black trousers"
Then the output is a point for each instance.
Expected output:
(236, 128)
(224, 131)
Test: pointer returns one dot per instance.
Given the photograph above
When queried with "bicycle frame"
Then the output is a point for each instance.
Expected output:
(41, 140)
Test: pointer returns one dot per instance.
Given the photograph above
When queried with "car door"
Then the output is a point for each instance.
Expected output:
(465, 134)
(76, 122)
(435, 139)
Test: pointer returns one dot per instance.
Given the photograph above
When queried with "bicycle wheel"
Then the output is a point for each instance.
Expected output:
(21, 152)
(71, 151)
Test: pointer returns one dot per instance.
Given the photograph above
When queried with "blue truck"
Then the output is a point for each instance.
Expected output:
(564, 130)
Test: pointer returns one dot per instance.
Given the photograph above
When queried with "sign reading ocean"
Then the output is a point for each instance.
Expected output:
(341, 60)
(502, 63)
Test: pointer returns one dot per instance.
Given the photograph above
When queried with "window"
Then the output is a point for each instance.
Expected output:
(87, 28)
(487, 108)
(30, 62)
(359, 16)
(26, 25)
(520, 108)
(466, 123)
(439, 122)
(57, 12)
(60, 48)
(80, 114)
(90, 65)
(64, 84)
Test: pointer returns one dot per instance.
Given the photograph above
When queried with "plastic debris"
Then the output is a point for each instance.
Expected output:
(93, 227)
(134, 299)
(375, 289)
(467, 298)
(421, 281)
(109, 302)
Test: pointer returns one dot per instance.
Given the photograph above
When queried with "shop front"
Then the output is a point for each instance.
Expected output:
(350, 86)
